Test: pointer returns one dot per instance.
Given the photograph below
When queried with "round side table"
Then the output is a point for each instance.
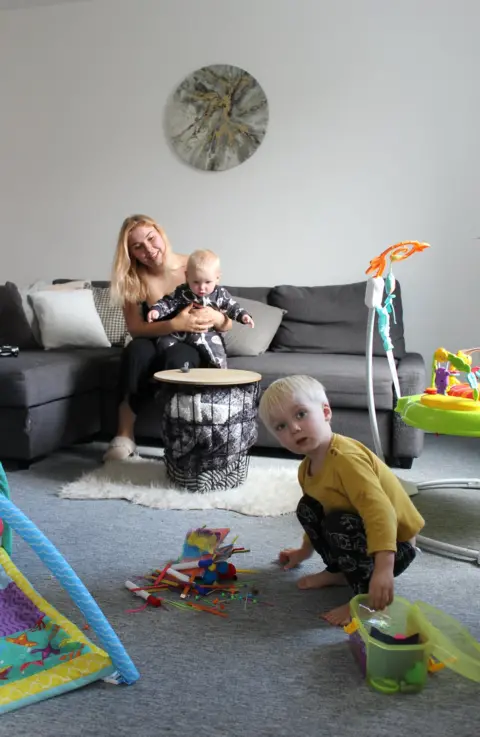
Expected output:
(209, 423)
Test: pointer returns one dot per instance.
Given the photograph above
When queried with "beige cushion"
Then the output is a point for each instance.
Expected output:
(242, 340)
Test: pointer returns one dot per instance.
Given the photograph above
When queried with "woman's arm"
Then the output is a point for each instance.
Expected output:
(190, 321)
(224, 324)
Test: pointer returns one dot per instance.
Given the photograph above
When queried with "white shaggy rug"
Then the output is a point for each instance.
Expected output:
(271, 488)
(269, 491)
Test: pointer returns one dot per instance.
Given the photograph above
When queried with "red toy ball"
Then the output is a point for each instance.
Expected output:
(229, 574)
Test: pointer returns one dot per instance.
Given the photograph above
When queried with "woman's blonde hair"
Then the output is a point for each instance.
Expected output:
(127, 284)
(288, 390)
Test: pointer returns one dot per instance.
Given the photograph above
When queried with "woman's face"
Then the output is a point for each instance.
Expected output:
(147, 246)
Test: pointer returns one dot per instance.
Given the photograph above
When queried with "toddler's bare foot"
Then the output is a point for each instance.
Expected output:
(339, 617)
(322, 580)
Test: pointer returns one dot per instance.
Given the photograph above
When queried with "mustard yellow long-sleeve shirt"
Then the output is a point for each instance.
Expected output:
(353, 479)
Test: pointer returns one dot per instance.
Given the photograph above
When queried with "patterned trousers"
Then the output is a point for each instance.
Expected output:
(340, 539)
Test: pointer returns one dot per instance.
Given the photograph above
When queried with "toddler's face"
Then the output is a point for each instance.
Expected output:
(302, 427)
(202, 282)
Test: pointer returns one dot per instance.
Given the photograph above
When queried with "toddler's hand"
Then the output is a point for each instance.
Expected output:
(381, 589)
(292, 557)
(247, 320)
(153, 315)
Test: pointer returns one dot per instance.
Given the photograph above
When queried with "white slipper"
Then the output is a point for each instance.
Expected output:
(119, 449)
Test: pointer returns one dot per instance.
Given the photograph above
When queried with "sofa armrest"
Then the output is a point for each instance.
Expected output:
(407, 442)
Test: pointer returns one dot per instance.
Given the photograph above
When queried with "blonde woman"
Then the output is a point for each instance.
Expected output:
(145, 269)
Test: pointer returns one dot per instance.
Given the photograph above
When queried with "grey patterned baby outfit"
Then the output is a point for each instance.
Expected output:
(210, 344)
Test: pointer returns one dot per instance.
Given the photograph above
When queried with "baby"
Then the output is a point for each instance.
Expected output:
(201, 289)
(354, 511)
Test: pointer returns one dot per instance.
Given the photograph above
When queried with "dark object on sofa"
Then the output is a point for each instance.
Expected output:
(14, 326)
(50, 399)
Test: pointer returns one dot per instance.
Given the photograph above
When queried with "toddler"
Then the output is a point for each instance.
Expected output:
(201, 289)
(354, 510)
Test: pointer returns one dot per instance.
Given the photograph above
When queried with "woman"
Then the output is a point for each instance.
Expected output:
(145, 269)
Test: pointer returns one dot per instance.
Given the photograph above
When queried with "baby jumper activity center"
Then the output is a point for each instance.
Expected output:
(397, 648)
(42, 653)
(450, 405)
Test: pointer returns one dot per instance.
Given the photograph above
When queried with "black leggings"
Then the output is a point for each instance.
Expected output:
(340, 539)
(141, 359)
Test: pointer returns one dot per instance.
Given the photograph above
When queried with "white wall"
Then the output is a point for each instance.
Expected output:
(373, 138)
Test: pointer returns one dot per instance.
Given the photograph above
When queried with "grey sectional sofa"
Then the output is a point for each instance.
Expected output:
(51, 399)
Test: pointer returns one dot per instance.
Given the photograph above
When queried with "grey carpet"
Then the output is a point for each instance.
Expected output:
(275, 671)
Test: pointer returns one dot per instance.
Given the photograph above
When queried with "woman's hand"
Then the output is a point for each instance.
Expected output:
(217, 319)
(193, 320)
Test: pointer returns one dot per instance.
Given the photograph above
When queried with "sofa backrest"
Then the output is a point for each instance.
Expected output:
(324, 319)
(260, 294)
(330, 319)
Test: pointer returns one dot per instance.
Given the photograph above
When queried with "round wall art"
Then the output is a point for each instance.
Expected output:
(217, 117)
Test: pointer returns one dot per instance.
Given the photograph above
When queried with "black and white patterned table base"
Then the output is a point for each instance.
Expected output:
(207, 432)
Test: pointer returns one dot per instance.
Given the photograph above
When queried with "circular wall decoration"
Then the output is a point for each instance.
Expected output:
(217, 117)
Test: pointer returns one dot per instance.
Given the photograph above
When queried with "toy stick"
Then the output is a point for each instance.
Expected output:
(161, 573)
(246, 570)
(203, 608)
(151, 600)
(172, 572)
(187, 565)
(188, 586)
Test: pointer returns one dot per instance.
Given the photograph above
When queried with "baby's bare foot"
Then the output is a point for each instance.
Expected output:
(322, 580)
(339, 617)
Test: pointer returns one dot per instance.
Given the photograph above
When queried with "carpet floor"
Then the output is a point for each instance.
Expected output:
(271, 671)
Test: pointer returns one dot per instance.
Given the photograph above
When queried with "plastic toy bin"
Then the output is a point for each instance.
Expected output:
(390, 668)
(396, 648)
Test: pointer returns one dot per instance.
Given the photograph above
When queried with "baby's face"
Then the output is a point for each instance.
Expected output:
(202, 282)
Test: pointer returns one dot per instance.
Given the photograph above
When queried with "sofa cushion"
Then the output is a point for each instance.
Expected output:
(111, 315)
(14, 327)
(37, 377)
(343, 377)
(242, 340)
(69, 318)
(330, 319)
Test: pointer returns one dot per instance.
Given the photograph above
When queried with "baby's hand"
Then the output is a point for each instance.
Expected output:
(153, 315)
(247, 320)
(292, 557)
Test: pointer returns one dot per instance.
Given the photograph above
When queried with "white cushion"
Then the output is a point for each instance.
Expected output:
(68, 318)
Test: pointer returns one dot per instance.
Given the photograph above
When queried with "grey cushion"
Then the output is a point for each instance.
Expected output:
(38, 377)
(342, 376)
(14, 326)
(330, 319)
(242, 340)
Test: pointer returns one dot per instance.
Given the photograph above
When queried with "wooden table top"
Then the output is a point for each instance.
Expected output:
(208, 377)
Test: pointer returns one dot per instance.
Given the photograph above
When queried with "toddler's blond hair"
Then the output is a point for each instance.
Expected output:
(290, 389)
(203, 259)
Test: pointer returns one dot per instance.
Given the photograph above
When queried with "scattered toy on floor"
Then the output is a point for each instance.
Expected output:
(202, 569)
